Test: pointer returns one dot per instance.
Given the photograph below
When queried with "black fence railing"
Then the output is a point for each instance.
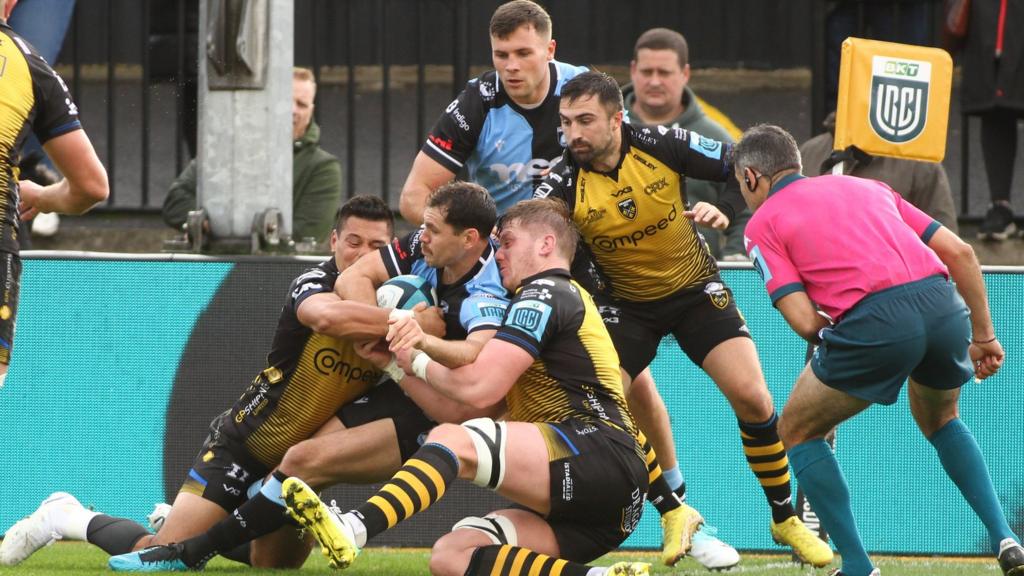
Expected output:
(387, 67)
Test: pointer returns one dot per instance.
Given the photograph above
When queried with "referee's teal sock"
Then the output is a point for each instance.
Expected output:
(961, 457)
(817, 472)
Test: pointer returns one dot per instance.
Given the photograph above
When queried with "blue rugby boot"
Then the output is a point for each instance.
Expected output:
(152, 559)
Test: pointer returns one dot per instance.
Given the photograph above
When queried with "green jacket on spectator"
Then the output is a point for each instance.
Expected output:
(316, 190)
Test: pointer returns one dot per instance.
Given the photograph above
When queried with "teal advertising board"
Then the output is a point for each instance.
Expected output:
(119, 364)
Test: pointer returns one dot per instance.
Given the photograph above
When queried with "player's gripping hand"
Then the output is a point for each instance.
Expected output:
(705, 214)
(431, 319)
(403, 332)
(987, 357)
(376, 351)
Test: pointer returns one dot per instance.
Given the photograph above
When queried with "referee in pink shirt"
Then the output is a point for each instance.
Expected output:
(865, 275)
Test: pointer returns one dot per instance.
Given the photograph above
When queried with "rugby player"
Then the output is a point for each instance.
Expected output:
(904, 298)
(517, 103)
(622, 186)
(35, 99)
(286, 403)
(385, 427)
(567, 454)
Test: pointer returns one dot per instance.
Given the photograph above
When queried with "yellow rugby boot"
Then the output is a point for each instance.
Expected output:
(677, 529)
(336, 538)
(805, 544)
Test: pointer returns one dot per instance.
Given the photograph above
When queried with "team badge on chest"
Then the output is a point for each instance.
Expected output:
(627, 208)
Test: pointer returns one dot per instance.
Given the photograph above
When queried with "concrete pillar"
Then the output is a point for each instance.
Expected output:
(245, 114)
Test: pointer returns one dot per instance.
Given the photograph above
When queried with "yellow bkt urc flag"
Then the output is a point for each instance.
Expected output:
(893, 99)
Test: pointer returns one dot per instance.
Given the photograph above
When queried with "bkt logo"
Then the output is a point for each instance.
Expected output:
(519, 171)
(899, 99)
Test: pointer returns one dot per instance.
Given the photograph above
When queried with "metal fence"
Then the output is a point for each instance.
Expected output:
(387, 67)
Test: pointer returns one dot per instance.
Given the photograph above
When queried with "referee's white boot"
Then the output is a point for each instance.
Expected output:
(711, 552)
(41, 528)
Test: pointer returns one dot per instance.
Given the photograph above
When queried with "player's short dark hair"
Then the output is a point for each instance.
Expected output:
(550, 214)
(767, 149)
(511, 16)
(366, 207)
(664, 39)
(465, 205)
(593, 83)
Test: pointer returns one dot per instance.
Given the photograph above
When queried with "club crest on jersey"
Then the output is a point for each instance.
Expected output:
(717, 293)
(627, 208)
(899, 98)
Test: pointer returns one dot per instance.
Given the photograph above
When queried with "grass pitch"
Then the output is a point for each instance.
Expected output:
(75, 558)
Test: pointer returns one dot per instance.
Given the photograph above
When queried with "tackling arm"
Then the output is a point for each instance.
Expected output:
(328, 314)
(359, 282)
(425, 176)
(482, 384)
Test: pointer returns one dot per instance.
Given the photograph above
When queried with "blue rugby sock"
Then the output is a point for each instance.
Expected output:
(961, 457)
(272, 488)
(818, 474)
(674, 477)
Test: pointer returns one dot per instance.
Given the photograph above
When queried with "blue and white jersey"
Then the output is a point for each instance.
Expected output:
(502, 146)
(477, 301)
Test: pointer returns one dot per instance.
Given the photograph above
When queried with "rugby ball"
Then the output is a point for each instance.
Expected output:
(405, 292)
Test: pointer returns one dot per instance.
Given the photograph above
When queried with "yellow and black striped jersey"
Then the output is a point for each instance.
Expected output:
(32, 97)
(309, 377)
(575, 373)
(631, 219)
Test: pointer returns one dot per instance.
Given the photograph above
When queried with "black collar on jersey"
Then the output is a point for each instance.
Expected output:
(543, 273)
(552, 85)
(480, 262)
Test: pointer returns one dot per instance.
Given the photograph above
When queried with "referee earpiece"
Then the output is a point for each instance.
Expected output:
(747, 181)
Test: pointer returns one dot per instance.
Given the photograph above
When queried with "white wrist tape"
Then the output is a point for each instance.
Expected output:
(394, 371)
(397, 314)
(419, 365)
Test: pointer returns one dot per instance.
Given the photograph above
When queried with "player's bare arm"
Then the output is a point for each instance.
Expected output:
(328, 314)
(425, 176)
(84, 183)
(482, 384)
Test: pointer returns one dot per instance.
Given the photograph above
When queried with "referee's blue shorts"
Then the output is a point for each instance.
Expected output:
(920, 329)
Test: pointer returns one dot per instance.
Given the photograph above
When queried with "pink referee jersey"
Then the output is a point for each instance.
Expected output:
(839, 238)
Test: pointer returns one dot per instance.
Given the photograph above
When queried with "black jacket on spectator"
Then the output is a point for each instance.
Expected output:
(991, 82)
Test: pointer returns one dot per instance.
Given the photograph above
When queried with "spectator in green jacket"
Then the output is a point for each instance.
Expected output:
(658, 94)
(316, 174)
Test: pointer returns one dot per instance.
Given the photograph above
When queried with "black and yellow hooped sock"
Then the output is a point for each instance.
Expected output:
(766, 457)
(659, 494)
(515, 561)
(421, 481)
